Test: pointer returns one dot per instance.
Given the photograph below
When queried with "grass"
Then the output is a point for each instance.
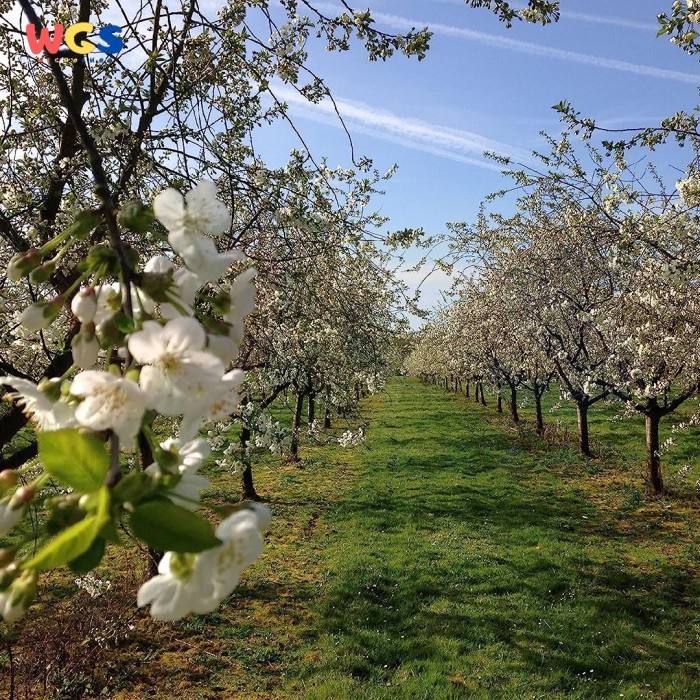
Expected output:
(449, 557)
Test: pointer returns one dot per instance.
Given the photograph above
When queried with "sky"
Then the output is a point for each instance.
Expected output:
(483, 87)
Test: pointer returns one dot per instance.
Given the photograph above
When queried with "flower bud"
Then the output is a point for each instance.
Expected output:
(40, 314)
(84, 304)
(8, 480)
(85, 349)
(22, 264)
(84, 223)
(43, 272)
(156, 285)
(7, 556)
(23, 495)
(8, 574)
(14, 602)
(109, 334)
(11, 512)
(136, 217)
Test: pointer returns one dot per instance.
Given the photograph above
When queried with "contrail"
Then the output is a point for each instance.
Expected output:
(455, 144)
(537, 49)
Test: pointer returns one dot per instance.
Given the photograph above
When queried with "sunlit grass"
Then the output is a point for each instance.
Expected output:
(450, 556)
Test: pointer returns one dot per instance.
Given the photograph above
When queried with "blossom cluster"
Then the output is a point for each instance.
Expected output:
(146, 347)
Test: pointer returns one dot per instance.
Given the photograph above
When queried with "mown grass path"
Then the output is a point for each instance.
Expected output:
(465, 565)
(450, 556)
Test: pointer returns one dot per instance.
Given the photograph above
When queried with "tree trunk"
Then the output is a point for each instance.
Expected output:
(481, 389)
(296, 424)
(476, 392)
(327, 417)
(466, 390)
(499, 398)
(583, 443)
(514, 404)
(312, 408)
(248, 492)
(146, 455)
(655, 479)
(538, 411)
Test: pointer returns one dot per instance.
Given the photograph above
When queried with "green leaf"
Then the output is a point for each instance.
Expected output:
(74, 540)
(90, 558)
(167, 527)
(77, 460)
(133, 488)
(124, 323)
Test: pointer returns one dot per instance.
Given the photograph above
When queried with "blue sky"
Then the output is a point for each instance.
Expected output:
(481, 87)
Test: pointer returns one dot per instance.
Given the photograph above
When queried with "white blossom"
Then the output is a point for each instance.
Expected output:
(109, 403)
(177, 372)
(38, 405)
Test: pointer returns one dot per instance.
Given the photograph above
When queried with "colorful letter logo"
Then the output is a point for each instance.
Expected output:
(73, 39)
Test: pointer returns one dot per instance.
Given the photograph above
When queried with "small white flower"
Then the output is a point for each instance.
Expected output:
(224, 347)
(15, 601)
(182, 586)
(177, 371)
(219, 402)
(242, 294)
(38, 405)
(38, 316)
(189, 221)
(107, 302)
(198, 212)
(202, 257)
(183, 290)
(242, 535)
(12, 510)
(189, 458)
(109, 403)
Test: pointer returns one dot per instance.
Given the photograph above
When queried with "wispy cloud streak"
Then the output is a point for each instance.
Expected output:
(404, 23)
(454, 144)
(621, 22)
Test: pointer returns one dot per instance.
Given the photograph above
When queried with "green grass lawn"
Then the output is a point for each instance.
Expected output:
(450, 556)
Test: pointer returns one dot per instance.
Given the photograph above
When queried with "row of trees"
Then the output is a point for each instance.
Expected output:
(592, 283)
(159, 276)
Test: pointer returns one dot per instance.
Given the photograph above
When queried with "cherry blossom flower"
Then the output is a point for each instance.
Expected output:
(12, 510)
(189, 458)
(198, 583)
(15, 601)
(85, 349)
(182, 586)
(242, 536)
(199, 212)
(84, 304)
(182, 291)
(39, 315)
(38, 404)
(109, 403)
(217, 403)
(189, 220)
(177, 371)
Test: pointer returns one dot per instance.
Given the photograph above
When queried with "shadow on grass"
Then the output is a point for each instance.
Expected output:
(458, 558)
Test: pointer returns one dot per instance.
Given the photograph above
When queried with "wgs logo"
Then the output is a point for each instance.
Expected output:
(40, 40)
